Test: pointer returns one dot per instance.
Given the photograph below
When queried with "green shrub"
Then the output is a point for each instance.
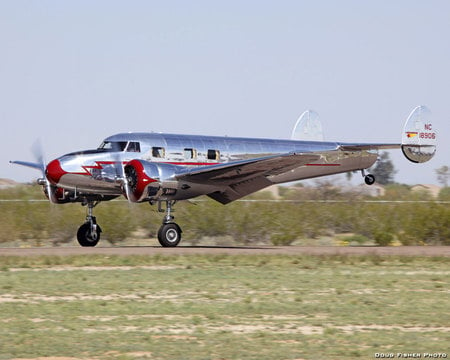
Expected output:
(444, 194)
(278, 223)
(383, 238)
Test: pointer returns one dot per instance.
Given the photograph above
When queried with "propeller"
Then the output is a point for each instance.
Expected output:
(119, 168)
(38, 153)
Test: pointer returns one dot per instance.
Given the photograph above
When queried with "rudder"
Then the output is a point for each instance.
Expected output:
(419, 136)
(308, 127)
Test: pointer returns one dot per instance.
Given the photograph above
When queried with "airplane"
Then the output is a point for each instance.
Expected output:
(165, 168)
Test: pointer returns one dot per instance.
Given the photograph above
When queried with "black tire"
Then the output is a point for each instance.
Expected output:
(369, 179)
(169, 235)
(84, 235)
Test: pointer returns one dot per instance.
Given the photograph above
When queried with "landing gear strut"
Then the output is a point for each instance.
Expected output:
(169, 234)
(369, 179)
(89, 233)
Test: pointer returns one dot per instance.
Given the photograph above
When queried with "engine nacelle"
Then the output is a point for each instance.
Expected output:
(59, 195)
(149, 180)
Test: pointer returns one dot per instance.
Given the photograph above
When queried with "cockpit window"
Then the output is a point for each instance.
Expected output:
(113, 145)
(134, 146)
(129, 146)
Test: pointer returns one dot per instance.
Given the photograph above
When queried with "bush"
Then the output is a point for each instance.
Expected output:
(278, 223)
(356, 238)
(383, 238)
(444, 194)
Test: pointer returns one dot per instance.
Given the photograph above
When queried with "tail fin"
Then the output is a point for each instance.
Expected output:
(419, 136)
(308, 127)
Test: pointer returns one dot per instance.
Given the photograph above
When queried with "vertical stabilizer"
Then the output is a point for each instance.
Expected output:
(308, 127)
(419, 136)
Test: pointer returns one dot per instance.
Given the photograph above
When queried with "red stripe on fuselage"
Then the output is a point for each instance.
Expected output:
(55, 171)
(98, 166)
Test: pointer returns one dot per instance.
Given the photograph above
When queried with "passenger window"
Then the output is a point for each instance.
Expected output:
(190, 153)
(213, 154)
(158, 152)
(134, 147)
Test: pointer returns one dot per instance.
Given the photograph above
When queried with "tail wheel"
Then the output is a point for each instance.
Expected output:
(169, 235)
(86, 237)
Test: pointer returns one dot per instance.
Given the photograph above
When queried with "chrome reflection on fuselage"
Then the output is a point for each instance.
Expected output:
(100, 170)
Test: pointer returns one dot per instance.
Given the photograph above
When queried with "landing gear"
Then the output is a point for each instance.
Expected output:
(169, 234)
(369, 179)
(89, 233)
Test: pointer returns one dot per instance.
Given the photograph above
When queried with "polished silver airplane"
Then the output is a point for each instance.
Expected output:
(164, 168)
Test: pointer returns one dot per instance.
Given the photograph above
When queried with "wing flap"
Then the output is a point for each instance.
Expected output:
(238, 171)
(234, 180)
(240, 189)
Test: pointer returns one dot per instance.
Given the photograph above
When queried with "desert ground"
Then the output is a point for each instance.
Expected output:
(240, 250)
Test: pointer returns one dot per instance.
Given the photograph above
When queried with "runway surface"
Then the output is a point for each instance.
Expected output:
(241, 250)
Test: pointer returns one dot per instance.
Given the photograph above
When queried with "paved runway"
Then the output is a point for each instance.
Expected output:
(241, 250)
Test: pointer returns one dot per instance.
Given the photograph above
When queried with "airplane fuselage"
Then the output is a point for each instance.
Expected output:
(96, 171)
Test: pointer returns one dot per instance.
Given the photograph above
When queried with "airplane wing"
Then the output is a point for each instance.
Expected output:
(240, 178)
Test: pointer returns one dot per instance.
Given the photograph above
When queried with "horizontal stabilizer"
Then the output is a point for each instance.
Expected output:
(308, 127)
(419, 136)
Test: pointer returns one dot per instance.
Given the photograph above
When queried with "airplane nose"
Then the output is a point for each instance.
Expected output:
(53, 172)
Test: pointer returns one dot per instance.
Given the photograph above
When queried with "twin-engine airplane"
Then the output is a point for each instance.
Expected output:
(156, 168)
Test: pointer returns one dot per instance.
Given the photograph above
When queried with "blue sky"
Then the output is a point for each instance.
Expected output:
(74, 72)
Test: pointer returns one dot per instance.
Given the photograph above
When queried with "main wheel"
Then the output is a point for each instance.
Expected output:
(85, 237)
(369, 179)
(169, 235)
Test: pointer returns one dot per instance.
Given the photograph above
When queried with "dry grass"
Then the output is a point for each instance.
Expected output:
(222, 307)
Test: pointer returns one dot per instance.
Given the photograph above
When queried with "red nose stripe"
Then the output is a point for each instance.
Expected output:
(54, 172)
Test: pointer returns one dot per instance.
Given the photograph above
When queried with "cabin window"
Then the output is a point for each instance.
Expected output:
(190, 153)
(213, 154)
(158, 152)
(134, 146)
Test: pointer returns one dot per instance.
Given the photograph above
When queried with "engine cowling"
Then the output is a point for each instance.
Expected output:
(149, 180)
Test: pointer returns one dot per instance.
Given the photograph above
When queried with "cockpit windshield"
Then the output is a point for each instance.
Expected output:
(113, 145)
(129, 146)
